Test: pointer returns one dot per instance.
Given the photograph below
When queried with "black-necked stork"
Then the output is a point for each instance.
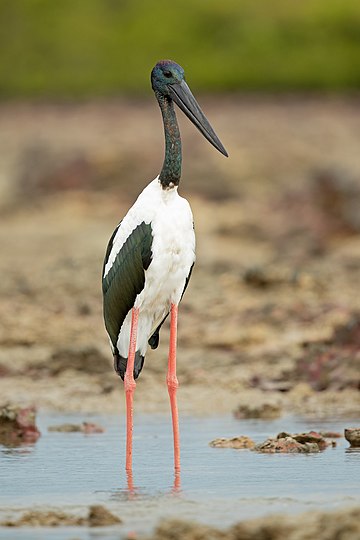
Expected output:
(151, 253)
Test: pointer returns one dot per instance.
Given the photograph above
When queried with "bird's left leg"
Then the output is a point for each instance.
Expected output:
(130, 385)
(173, 384)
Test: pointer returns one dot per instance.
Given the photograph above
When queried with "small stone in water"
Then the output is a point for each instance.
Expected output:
(66, 428)
(352, 435)
(239, 443)
(311, 437)
(330, 434)
(99, 516)
(298, 443)
(90, 427)
(17, 425)
(85, 427)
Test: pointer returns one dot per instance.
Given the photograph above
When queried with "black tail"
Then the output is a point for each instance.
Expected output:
(120, 364)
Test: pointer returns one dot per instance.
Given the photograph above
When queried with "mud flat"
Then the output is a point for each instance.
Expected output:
(269, 326)
(321, 525)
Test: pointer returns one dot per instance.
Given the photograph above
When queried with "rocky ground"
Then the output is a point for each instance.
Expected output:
(272, 313)
(343, 525)
(271, 319)
(322, 525)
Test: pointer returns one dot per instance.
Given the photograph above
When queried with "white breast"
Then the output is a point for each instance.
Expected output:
(173, 254)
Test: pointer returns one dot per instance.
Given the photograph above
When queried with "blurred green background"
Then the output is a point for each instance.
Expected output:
(87, 48)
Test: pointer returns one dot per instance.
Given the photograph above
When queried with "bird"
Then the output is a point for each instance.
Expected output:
(151, 254)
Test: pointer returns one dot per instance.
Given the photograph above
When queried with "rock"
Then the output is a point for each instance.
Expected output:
(177, 529)
(334, 525)
(90, 427)
(330, 434)
(51, 518)
(283, 435)
(286, 445)
(298, 443)
(311, 437)
(85, 427)
(66, 428)
(240, 442)
(264, 410)
(99, 516)
(17, 425)
(352, 435)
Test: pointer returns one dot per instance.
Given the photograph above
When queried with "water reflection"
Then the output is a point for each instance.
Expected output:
(133, 492)
(130, 485)
(16, 450)
(352, 450)
(176, 489)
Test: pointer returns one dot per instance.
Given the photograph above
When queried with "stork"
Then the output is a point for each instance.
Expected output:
(151, 254)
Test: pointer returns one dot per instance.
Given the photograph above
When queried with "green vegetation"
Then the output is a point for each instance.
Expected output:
(81, 48)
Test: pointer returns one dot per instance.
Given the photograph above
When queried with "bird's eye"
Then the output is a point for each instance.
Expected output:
(168, 74)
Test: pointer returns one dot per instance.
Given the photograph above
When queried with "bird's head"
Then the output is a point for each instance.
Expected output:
(164, 74)
(168, 81)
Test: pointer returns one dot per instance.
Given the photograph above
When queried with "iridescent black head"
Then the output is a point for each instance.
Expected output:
(166, 72)
(168, 80)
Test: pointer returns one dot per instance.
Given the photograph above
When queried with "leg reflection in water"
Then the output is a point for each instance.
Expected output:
(133, 491)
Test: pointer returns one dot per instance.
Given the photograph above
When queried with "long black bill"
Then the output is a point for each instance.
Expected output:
(184, 98)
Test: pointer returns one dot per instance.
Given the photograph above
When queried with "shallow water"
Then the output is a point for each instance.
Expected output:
(217, 486)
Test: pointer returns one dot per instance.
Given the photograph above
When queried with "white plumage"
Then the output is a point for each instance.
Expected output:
(173, 254)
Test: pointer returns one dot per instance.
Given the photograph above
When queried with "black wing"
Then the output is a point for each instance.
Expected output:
(126, 277)
(154, 339)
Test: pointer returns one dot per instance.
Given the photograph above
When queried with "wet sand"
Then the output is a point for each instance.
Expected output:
(271, 315)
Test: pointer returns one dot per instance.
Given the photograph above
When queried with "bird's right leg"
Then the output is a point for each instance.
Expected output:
(130, 385)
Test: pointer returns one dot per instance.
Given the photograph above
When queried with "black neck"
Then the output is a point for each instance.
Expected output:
(171, 170)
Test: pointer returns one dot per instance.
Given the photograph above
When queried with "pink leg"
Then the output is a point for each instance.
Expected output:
(129, 385)
(177, 482)
(173, 384)
(130, 483)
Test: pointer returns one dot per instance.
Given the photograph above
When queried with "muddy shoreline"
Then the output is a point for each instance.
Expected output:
(271, 318)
